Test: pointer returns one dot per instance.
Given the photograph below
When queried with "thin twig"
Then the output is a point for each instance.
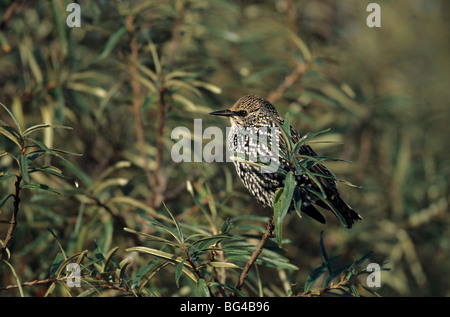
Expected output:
(195, 268)
(13, 221)
(326, 289)
(157, 181)
(35, 282)
(212, 254)
(287, 83)
(177, 31)
(137, 95)
(270, 233)
(62, 279)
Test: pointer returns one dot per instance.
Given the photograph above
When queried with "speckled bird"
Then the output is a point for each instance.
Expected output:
(253, 113)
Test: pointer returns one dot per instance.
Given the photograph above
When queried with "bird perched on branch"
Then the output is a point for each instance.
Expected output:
(254, 119)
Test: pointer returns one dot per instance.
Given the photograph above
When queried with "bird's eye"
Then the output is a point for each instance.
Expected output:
(241, 113)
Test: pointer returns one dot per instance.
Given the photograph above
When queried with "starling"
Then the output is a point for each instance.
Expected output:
(255, 114)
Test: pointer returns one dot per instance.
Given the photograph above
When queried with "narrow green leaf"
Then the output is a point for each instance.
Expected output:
(205, 243)
(165, 228)
(123, 265)
(203, 289)
(285, 135)
(41, 186)
(64, 264)
(56, 264)
(147, 71)
(5, 199)
(223, 264)
(282, 204)
(354, 291)
(108, 258)
(10, 134)
(66, 152)
(177, 225)
(111, 43)
(326, 261)
(272, 262)
(364, 258)
(226, 226)
(60, 27)
(289, 186)
(178, 271)
(316, 274)
(19, 284)
(57, 241)
(212, 88)
(152, 237)
(230, 288)
(304, 140)
(13, 117)
(277, 199)
(303, 48)
(160, 254)
(111, 170)
(43, 126)
(98, 253)
(141, 274)
(287, 125)
(171, 258)
(155, 57)
(32, 156)
(48, 169)
(110, 182)
(23, 166)
(297, 201)
(41, 145)
(349, 184)
(331, 206)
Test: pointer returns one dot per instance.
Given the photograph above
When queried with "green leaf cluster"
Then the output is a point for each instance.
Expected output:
(300, 165)
(210, 260)
(341, 281)
(28, 150)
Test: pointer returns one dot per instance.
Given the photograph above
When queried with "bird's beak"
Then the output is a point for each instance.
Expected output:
(226, 113)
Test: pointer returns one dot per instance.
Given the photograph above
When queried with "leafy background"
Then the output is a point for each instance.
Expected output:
(135, 70)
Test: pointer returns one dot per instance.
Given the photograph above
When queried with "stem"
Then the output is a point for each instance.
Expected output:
(157, 182)
(137, 95)
(13, 221)
(212, 254)
(195, 268)
(326, 289)
(270, 233)
(64, 278)
(287, 83)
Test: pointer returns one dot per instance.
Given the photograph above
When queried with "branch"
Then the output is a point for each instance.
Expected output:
(35, 282)
(270, 233)
(13, 221)
(137, 95)
(212, 254)
(157, 182)
(326, 289)
(287, 83)
(62, 279)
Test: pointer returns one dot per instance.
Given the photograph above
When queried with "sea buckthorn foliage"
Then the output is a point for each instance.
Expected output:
(88, 187)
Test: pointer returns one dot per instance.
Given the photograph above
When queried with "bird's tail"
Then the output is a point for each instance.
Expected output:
(341, 210)
(349, 215)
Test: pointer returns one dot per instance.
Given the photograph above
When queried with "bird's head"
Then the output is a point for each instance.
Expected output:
(247, 110)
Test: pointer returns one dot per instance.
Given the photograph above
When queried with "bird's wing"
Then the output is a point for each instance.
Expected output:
(328, 181)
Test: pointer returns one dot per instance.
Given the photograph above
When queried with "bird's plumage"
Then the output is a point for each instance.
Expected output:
(257, 113)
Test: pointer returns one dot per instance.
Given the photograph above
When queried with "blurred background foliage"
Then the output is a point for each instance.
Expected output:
(135, 70)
